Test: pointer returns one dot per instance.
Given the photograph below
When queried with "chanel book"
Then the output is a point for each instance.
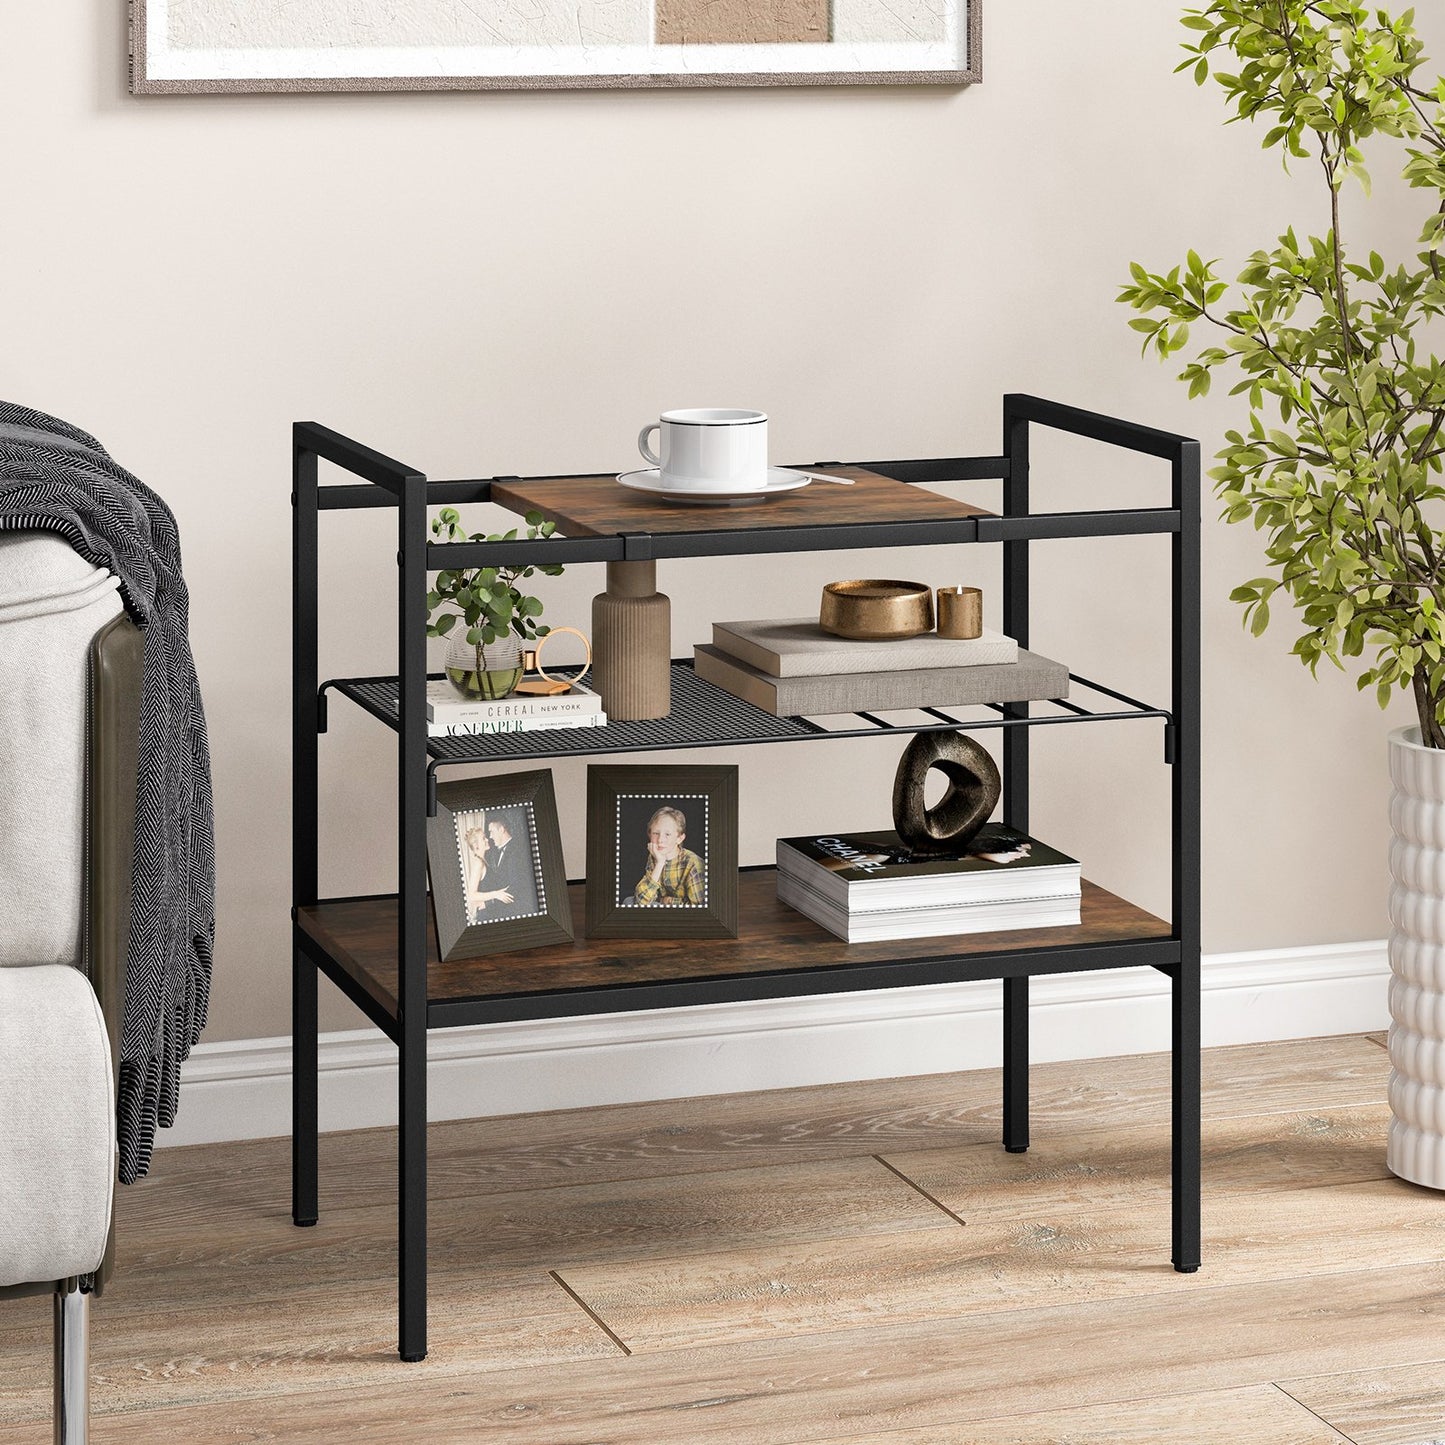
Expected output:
(869, 872)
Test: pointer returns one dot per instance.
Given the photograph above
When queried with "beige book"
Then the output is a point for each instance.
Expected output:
(798, 647)
(1030, 678)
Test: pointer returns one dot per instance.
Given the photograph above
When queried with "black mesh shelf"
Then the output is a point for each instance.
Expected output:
(706, 716)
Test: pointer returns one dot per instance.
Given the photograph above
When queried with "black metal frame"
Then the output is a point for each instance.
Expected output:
(388, 483)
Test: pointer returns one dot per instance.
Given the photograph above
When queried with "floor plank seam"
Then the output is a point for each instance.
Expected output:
(590, 1312)
(1326, 1423)
(937, 1203)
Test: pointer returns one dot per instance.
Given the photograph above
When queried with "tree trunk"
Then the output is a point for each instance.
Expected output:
(1427, 705)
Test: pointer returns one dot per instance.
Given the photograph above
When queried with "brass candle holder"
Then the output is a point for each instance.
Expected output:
(960, 612)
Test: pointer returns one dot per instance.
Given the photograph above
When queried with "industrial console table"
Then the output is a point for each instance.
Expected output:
(381, 951)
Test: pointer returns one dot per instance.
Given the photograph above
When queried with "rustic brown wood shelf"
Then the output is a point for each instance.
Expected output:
(774, 943)
(381, 951)
(595, 506)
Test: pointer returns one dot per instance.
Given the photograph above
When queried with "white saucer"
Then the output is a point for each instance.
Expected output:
(780, 479)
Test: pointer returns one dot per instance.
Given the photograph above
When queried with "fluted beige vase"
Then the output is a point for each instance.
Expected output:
(1417, 961)
(632, 644)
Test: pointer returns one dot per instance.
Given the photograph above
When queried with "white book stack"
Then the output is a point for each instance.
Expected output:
(450, 715)
(866, 886)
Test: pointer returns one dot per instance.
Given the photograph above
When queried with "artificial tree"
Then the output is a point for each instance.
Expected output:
(1328, 342)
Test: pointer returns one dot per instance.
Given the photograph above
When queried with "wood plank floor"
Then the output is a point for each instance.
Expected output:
(857, 1263)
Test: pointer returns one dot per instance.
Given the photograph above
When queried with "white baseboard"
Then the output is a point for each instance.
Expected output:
(241, 1089)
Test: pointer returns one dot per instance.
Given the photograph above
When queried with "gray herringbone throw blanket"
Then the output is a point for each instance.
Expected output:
(56, 478)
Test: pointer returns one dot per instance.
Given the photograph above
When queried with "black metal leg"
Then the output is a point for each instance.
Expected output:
(412, 1196)
(1185, 790)
(1016, 1065)
(304, 981)
(1185, 1093)
(305, 723)
(412, 908)
(1016, 777)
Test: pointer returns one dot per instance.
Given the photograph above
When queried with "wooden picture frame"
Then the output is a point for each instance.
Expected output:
(689, 810)
(502, 832)
(293, 46)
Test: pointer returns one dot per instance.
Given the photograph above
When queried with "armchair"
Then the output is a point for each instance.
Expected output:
(70, 665)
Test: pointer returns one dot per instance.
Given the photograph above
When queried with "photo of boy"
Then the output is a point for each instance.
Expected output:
(673, 876)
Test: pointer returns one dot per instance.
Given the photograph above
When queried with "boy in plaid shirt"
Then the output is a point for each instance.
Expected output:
(674, 874)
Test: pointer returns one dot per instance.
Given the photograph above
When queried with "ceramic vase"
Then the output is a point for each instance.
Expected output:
(1417, 961)
(632, 643)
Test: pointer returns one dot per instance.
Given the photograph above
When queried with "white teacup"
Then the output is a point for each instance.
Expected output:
(710, 449)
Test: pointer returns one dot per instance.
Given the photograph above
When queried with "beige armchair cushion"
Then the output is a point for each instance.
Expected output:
(57, 1125)
(52, 602)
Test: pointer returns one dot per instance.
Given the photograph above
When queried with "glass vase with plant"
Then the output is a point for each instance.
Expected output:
(1341, 456)
(483, 612)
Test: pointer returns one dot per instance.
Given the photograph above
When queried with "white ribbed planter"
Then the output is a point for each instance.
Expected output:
(1417, 960)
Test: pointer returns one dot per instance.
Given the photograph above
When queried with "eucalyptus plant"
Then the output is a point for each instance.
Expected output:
(487, 600)
(1340, 459)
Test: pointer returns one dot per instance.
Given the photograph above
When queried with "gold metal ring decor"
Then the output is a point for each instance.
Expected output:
(543, 685)
(876, 609)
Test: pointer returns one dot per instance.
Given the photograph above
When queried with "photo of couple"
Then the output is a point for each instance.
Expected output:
(498, 863)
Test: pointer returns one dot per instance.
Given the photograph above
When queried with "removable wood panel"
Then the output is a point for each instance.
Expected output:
(779, 1391)
(1400, 1406)
(360, 934)
(1099, 1168)
(1215, 1417)
(598, 507)
(701, 1299)
(941, 1130)
(230, 1318)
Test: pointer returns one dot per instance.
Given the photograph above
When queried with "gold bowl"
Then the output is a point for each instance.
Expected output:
(876, 609)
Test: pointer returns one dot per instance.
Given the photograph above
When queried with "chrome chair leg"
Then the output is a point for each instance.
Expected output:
(72, 1364)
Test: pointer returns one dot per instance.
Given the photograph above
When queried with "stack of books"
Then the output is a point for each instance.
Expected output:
(793, 668)
(451, 715)
(867, 886)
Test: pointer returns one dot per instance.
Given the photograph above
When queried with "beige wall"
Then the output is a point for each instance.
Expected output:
(513, 283)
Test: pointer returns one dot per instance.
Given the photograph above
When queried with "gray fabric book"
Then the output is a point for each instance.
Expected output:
(1030, 678)
(798, 647)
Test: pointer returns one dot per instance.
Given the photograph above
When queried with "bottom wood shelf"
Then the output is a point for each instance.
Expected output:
(776, 950)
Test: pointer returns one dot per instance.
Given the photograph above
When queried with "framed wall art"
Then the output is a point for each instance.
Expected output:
(200, 46)
(662, 852)
(495, 859)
